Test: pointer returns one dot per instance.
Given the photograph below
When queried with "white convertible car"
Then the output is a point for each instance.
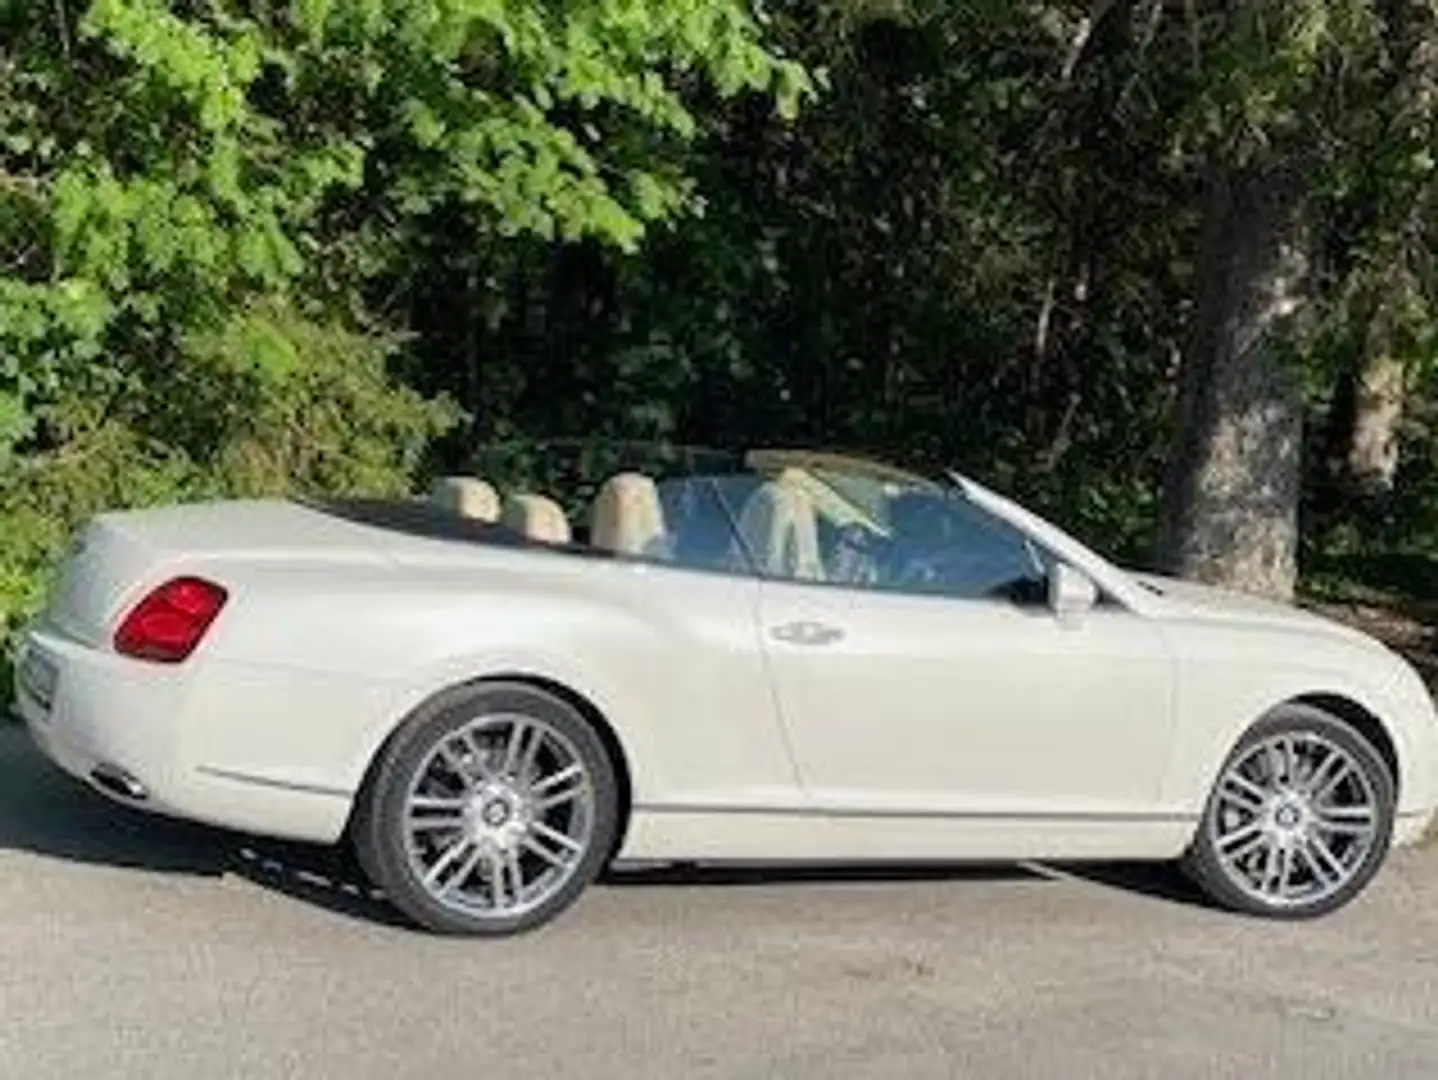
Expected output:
(782, 655)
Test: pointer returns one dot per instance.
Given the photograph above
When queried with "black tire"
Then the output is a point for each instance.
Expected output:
(1203, 864)
(377, 830)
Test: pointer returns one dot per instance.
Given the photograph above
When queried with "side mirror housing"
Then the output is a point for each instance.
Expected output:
(1072, 593)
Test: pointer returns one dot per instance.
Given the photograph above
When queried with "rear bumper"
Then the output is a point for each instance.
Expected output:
(117, 715)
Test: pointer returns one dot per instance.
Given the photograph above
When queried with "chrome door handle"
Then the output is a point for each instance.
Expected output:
(803, 632)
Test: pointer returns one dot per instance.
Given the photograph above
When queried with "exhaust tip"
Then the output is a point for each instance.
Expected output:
(117, 782)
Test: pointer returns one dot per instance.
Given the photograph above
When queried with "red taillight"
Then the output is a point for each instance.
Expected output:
(170, 621)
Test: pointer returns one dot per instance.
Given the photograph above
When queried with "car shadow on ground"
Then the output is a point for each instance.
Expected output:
(47, 813)
(1161, 881)
(743, 874)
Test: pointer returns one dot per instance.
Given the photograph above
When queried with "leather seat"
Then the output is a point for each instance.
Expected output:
(627, 517)
(537, 517)
(467, 496)
(781, 532)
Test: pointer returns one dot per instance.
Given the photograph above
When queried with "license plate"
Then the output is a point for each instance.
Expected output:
(37, 677)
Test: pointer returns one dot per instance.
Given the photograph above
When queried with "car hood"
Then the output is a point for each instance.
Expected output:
(1194, 600)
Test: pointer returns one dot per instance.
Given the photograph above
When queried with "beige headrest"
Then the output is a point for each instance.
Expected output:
(537, 517)
(627, 516)
(779, 527)
(467, 496)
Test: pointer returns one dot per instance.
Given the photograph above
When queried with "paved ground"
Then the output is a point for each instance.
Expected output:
(136, 948)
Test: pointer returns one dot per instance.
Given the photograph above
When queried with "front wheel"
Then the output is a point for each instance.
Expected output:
(1299, 820)
(489, 811)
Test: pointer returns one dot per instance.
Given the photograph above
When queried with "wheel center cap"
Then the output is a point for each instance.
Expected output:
(1287, 817)
(495, 813)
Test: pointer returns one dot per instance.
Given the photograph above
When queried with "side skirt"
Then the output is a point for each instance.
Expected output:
(664, 832)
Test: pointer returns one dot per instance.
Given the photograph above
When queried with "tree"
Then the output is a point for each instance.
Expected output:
(1388, 287)
(1231, 493)
(1260, 128)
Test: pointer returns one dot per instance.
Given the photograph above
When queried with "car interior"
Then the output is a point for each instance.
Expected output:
(788, 523)
(683, 520)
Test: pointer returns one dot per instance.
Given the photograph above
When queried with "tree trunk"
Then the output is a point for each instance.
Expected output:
(1372, 455)
(1367, 453)
(1361, 448)
(1230, 505)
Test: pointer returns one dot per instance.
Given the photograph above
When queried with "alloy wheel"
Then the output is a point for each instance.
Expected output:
(498, 816)
(1294, 820)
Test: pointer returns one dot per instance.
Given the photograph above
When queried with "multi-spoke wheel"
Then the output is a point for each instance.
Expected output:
(489, 812)
(1299, 819)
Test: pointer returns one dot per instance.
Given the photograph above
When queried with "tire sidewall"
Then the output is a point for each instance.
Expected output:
(379, 837)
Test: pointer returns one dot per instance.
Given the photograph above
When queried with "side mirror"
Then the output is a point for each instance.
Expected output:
(1072, 593)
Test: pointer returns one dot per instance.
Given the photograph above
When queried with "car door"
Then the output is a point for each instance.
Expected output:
(940, 697)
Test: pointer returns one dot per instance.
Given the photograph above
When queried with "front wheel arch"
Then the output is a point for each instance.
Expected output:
(1213, 871)
(1343, 709)
(1365, 723)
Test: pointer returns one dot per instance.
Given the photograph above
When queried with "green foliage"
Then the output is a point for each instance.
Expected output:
(476, 93)
(331, 420)
(222, 426)
(1266, 69)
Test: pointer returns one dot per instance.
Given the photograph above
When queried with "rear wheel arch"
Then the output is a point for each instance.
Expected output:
(591, 712)
(581, 703)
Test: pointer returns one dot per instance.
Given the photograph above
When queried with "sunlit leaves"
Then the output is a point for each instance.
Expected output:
(238, 133)
(554, 120)
(211, 70)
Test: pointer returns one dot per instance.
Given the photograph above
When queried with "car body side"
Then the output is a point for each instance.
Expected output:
(272, 725)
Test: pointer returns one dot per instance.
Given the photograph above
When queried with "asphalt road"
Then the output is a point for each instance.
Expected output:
(132, 947)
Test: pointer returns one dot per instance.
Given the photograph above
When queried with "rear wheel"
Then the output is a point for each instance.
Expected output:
(489, 811)
(1299, 820)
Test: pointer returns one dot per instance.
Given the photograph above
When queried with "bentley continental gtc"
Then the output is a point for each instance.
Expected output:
(775, 656)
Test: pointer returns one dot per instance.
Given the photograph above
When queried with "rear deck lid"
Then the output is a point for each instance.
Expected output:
(116, 555)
